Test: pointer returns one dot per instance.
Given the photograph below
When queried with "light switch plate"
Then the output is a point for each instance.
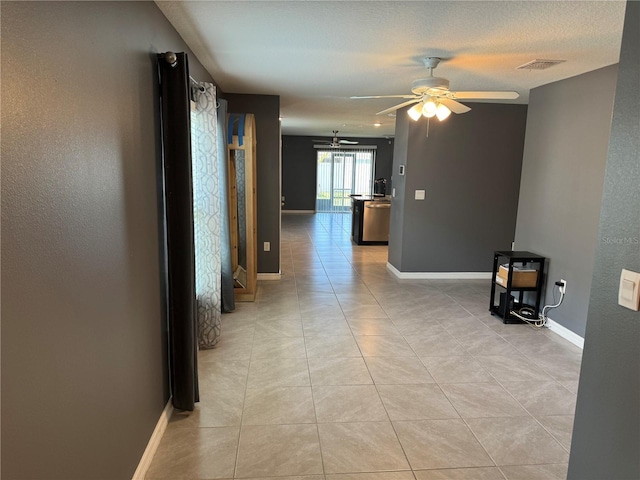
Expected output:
(629, 291)
(420, 194)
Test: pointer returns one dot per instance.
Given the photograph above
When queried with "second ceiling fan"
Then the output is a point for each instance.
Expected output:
(336, 142)
(432, 96)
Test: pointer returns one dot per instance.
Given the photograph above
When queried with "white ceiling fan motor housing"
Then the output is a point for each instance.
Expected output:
(430, 85)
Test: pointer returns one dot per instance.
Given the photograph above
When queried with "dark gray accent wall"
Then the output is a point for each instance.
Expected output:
(469, 166)
(84, 367)
(396, 220)
(565, 153)
(299, 168)
(606, 433)
(266, 109)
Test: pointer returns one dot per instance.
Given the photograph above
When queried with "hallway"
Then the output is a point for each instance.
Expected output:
(340, 368)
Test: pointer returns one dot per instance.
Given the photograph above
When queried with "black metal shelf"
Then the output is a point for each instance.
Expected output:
(513, 257)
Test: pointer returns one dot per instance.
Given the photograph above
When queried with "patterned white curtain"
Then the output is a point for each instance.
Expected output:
(206, 213)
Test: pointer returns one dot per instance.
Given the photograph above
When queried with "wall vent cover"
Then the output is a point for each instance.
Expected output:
(539, 64)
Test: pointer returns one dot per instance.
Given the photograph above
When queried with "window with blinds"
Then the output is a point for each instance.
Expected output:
(342, 172)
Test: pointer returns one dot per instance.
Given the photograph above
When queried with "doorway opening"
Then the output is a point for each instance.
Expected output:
(340, 174)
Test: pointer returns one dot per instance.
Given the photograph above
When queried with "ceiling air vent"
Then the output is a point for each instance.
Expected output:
(539, 64)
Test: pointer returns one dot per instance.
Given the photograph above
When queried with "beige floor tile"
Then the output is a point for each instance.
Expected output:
(560, 426)
(348, 403)
(416, 402)
(372, 476)
(465, 326)
(278, 450)
(372, 326)
(227, 375)
(227, 350)
(418, 326)
(278, 372)
(326, 327)
(517, 441)
(278, 406)
(384, 346)
(535, 472)
(195, 454)
(339, 371)
(217, 408)
(294, 477)
(277, 328)
(398, 370)
(356, 299)
(477, 473)
(457, 369)
(327, 310)
(512, 369)
(564, 367)
(326, 347)
(279, 347)
(486, 344)
(436, 345)
(482, 400)
(360, 447)
(433, 444)
(543, 398)
(354, 311)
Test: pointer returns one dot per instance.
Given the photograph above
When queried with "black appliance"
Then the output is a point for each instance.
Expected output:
(380, 187)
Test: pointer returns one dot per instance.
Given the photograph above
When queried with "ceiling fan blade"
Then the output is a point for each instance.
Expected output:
(348, 142)
(396, 107)
(505, 95)
(386, 96)
(455, 107)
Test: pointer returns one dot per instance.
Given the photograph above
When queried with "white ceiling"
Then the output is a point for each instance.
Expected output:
(316, 54)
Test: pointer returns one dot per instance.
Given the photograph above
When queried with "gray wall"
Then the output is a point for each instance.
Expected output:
(470, 167)
(299, 168)
(266, 109)
(562, 173)
(606, 434)
(84, 377)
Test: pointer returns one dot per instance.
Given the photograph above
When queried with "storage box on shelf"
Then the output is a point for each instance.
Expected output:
(521, 277)
(517, 272)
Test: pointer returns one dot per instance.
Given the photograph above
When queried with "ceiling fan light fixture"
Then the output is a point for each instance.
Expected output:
(430, 107)
(415, 112)
(442, 112)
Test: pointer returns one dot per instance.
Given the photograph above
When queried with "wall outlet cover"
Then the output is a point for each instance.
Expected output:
(420, 194)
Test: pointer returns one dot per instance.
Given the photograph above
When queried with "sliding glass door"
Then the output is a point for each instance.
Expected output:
(341, 173)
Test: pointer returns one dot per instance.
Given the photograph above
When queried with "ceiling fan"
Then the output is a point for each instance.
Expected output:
(432, 96)
(335, 142)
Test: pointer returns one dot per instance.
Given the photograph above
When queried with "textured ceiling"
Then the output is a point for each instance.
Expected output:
(316, 54)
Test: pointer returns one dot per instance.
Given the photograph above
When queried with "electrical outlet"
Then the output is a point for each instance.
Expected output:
(267, 246)
(563, 288)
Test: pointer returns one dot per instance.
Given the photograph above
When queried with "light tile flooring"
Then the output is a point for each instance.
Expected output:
(340, 371)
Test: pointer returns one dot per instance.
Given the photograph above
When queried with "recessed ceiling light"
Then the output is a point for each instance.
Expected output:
(377, 124)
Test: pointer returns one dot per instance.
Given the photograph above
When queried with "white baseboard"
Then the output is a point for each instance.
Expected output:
(438, 275)
(297, 211)
(154, 442)
(269, 276)
(565, 333)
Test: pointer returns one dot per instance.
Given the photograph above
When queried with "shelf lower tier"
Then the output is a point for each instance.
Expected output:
(509, 318)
